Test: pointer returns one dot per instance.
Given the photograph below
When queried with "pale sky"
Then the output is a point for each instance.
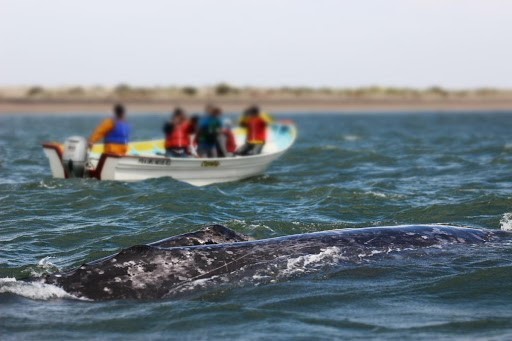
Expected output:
(341, 43)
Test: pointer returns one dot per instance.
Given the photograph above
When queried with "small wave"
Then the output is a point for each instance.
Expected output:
(330, 147)
(506, 222)
(44, 266)
(221, 191)
(45, 262)
(8, 182)
(351, 137)
(32, 290)
(377, 194)
(260, 226)
(43, 185)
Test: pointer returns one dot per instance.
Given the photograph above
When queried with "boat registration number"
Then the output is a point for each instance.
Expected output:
(210, 164)
(157, 162)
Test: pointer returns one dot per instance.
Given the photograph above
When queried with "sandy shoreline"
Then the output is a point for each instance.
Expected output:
(289, 106)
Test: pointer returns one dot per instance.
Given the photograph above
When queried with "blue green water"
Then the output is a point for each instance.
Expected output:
(350, 170)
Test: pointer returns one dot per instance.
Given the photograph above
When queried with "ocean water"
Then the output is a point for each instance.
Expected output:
(344, 171)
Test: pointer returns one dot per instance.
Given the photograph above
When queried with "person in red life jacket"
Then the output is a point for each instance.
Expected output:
(178, 131)
(169, 125)
(256, 132)
(227, 142)
(115, 133)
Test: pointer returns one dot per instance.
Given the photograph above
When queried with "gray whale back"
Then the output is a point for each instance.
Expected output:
(213, 234)
(217, 256)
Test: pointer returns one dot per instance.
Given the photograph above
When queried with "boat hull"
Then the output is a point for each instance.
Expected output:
(197, 172)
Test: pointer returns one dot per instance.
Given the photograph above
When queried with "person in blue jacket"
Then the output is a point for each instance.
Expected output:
(208, 131)
(115, 132)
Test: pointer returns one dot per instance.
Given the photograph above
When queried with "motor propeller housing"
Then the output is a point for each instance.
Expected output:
(75, 156)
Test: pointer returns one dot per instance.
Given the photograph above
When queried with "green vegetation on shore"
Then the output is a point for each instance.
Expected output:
(223, 90)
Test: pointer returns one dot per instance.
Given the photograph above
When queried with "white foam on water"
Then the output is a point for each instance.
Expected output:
(45, 262)
(351, 137)
(238, 221)
(221, 191)
(384, 195)
(32, 290)
(43, 185)
(330, 147)
(506, 222)
(377, 194)
(258, 226)
(44, 266)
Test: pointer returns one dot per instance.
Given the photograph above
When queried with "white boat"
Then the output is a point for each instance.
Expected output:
(146, 160)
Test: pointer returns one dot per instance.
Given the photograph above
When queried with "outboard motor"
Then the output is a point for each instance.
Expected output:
(74, 158)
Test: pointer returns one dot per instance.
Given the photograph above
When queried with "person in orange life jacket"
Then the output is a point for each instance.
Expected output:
(115, 133)
(178, 131)
(256, 132)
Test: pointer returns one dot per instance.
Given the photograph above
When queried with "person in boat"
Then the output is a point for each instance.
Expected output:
(194, 122)
(177, 134)
(168, 126)
(227, 141)
(115, 132)
(256, 127)
(208, 131)
(246, 116)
